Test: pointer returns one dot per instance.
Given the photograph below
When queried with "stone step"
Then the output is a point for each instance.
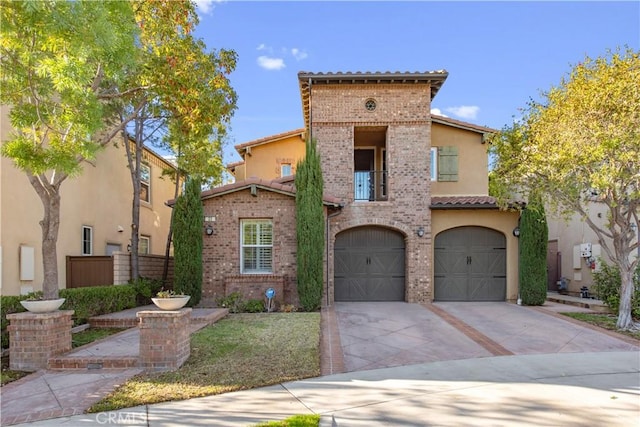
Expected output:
(82, 363)
(591, 304)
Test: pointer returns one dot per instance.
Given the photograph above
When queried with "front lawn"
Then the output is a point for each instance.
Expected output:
(605, 321)
(239, 352)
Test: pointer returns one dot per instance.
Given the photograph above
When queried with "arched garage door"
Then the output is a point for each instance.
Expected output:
(470, 265)
(369, 265)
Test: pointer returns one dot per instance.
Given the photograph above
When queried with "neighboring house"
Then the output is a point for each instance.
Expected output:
(95, 215)
(573, 252)
(271, 157)
(407, 210)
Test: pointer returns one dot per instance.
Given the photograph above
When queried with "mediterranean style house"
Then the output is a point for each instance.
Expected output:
(407, 210)
(95, 215)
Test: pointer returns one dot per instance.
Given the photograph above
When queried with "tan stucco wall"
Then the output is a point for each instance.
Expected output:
(265, 159)
(501, 221)
(100, 198)
(573, 232)
(473, 179)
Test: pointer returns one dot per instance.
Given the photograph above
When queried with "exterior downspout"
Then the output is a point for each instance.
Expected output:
(310, 127)
(327, 245)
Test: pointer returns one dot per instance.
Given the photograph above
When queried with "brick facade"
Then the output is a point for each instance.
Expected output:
(221, 251)
(404, 112)
(36, 337)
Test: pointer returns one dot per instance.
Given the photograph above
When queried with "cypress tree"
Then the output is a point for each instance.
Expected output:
(309, 228)
(187, 242)
(534, 234)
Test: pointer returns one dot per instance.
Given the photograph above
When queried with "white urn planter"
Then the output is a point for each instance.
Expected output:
(42, 306)
(172, 303)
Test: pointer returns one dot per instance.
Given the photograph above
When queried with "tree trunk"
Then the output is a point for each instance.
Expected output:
(50, 224)
(625, 321)
(167, 249)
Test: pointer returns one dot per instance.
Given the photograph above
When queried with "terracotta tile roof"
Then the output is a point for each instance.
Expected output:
(461, 202)
(306, 79)
(240, 147)
(234, 164)
(278, 187)
(460, 124)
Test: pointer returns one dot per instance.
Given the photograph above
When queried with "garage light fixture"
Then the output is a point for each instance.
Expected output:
(516, 231)
(420, 232)
(208, 229)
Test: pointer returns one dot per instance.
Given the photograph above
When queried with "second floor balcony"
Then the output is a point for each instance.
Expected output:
(370, 186)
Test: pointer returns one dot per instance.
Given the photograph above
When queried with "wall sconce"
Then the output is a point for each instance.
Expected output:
(420, 232)
(208, 229)
(516, 231)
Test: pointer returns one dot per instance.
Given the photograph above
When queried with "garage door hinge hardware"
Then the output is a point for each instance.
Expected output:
(468, 260)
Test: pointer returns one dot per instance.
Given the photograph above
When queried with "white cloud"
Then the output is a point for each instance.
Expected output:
(271, 63)
(298, 54)
(464, 111)
(206, 6)
(262, 46)
(438, 112)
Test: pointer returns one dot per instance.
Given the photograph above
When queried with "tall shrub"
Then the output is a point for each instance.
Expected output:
(309, 228)
(187, 242)
(534, 234)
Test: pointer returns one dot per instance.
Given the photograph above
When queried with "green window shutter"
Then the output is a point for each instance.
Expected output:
(448, 163)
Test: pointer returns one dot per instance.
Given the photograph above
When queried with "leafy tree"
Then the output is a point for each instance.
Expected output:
(579, 148)
(309, 228)
(61, 64)
(188, 222)
(534, 235)
(187, 101)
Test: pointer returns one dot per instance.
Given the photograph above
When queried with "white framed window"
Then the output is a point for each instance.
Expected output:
(145, 183)
(433, 157)
(144, 243)
(87, 240)
(285, 169)
(256, 246)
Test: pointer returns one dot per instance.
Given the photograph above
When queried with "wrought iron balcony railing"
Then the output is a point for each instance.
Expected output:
(370, 185)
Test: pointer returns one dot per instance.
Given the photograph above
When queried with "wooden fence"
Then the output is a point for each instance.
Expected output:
(84, 271)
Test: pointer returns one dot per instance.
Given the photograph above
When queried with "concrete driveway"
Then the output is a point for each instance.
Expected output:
(377, 335)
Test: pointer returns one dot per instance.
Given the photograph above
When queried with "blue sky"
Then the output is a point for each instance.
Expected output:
(498, 54)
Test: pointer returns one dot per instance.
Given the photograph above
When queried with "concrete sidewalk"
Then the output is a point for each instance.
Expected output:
(577, 389)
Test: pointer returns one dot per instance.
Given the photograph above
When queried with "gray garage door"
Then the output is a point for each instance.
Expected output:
(369, 265)
(470, 265)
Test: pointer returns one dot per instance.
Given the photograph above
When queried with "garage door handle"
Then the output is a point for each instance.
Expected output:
(499, 277)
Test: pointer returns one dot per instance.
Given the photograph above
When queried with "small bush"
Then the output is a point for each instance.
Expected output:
(288, 308)
(607, 283)
(146, 289)
(97, 300)
(233, 302)
(254, 306)
(9, 305)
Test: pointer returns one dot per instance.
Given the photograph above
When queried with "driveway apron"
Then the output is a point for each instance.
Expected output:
(385, 334)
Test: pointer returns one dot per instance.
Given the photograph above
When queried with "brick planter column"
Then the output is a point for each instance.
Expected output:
(164, 339)
(36, 337)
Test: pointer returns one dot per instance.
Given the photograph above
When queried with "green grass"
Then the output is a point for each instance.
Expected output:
(605, 321)
(6, 375)
(294, 421)
(92, 334)
(239, 352)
